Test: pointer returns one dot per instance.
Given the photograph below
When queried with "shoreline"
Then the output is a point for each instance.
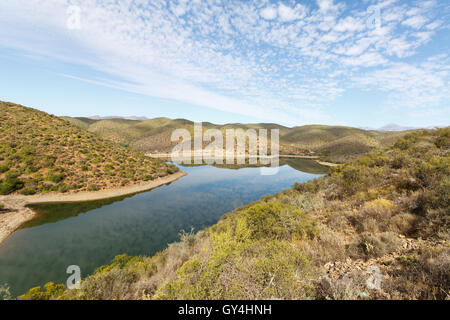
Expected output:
(11, 220)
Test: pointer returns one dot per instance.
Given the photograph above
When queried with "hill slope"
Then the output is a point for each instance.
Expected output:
(41, 153)
(387, 213)
(331, 142)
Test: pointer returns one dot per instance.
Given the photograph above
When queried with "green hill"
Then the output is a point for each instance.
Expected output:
(42, 153)
(338, 143)
(329, 142)
(386, 213)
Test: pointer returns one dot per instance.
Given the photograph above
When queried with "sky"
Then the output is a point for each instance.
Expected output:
(357, 63)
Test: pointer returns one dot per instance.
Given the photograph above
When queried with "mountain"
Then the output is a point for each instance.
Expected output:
(395, 127)
(333, 143)
(40, 152)
(117, 117)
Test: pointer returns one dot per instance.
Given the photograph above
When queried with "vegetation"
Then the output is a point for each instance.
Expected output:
(41, 153)
(387, 211)
(334, 144)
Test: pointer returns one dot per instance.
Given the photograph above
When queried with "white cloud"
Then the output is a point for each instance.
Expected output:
(415, 22)
(325, 5)
(276, 61)
(287, 14)
(269, 13)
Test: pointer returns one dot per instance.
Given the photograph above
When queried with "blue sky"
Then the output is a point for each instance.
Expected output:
(359, 63)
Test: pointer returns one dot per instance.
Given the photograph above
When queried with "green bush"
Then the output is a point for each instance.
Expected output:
(50, 291)
(4, 167)
(93, 187)
(10, 184)
(402, 144)
(275, 221)
(28, 190)
(55, 176)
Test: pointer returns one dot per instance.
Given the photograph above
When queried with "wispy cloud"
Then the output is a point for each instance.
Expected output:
(282, 61)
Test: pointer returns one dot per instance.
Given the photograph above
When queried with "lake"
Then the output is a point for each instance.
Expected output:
(90, 234)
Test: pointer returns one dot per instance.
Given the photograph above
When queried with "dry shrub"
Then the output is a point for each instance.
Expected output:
(374, 216)
(425, 276)
(338, 221)
(308, 202)
(373, 245)
(435, 223)
(435, 265)
(329, 246)
(403, 223)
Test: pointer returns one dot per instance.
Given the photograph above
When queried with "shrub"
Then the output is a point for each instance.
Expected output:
(10, 184)
(50, 291)
(28, 190)
(374, 245)
(400, 161)
(402, 144)
(374, 216)
(4, 167)
(55, 176)
(348, 178)
(275, 221)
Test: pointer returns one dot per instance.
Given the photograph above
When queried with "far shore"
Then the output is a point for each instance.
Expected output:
(19, 212)
(194, 155)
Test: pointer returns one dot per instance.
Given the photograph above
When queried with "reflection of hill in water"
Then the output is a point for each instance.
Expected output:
(303, 165)
(54, 212)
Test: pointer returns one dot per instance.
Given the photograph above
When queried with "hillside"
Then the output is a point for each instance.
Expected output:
(377, 228)
(40, 153)
(332, 143)
(338, 144)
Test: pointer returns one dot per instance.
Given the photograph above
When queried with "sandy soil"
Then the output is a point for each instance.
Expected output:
(328, 164)
(17, 212)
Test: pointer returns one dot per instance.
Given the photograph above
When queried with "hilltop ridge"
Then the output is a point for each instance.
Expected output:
(332, 143)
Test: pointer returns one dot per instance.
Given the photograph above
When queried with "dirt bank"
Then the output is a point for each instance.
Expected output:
(17, 213)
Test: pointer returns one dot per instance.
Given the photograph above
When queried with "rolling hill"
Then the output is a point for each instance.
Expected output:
(40, 153)
(332, 143)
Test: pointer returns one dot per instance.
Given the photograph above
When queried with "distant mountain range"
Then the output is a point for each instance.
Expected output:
(396, 128)
(117, 117)
(393, 127)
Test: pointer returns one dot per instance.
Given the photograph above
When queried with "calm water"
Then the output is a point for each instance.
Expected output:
(90, 234)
